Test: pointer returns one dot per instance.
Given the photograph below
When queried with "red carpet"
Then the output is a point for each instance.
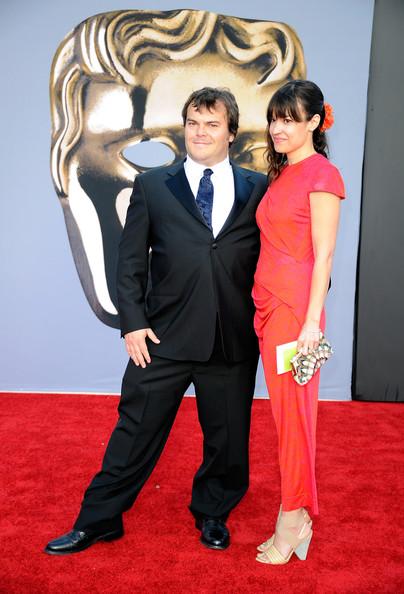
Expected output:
(50, 445)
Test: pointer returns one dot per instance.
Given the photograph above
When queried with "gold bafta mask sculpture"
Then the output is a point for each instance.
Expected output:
(120, 78)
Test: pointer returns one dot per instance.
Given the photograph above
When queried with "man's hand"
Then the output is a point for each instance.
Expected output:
(136, 345)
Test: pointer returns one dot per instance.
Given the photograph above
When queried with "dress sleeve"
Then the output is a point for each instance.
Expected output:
(328, 179)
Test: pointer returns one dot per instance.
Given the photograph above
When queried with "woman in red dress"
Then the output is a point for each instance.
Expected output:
(298, 220)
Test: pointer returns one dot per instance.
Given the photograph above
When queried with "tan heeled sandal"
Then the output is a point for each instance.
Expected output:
(265, 545)
(299, 544)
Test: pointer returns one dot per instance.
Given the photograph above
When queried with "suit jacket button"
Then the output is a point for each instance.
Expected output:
(214, 245)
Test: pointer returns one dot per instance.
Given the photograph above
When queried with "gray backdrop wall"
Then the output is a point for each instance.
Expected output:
(379, 371)
(51, 340)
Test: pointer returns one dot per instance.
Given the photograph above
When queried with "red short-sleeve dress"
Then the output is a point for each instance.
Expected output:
(281, 295)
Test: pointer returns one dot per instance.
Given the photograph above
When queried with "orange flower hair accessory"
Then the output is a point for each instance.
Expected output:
(328, 119)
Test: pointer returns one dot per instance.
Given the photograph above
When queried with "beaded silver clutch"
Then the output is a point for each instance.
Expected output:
(305, 366)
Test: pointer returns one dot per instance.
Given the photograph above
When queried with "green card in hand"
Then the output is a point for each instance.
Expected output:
(284, 353)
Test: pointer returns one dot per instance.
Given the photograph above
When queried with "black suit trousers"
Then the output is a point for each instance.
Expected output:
(148, 406)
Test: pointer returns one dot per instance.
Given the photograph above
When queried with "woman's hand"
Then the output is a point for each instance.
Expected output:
(309, 337)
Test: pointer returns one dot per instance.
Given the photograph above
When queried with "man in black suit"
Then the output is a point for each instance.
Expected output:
(187, 316)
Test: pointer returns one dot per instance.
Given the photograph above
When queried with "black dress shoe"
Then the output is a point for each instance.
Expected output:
(78, 540)
(214, 533)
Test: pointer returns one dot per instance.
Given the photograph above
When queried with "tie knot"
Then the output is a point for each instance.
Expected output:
(207, 172)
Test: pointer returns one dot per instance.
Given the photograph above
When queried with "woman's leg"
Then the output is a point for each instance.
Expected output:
(294, 409)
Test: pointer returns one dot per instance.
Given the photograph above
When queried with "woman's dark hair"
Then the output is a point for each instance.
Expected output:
(207, 97)
(298, 99)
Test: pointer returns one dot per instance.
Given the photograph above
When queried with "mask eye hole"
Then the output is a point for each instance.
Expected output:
(149, 153)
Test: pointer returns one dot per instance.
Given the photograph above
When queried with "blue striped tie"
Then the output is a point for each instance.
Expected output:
(204, 197)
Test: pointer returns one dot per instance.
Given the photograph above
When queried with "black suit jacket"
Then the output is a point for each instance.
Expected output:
(191, 279)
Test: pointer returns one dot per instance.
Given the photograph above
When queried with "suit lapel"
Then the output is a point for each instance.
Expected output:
(242, 192)
(178, 185)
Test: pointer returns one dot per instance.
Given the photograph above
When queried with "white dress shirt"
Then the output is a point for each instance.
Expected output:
(223, 188)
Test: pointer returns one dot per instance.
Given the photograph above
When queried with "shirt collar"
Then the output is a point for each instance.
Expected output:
(195, 168)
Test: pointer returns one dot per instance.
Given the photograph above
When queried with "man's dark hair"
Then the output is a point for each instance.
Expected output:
(207, 97)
